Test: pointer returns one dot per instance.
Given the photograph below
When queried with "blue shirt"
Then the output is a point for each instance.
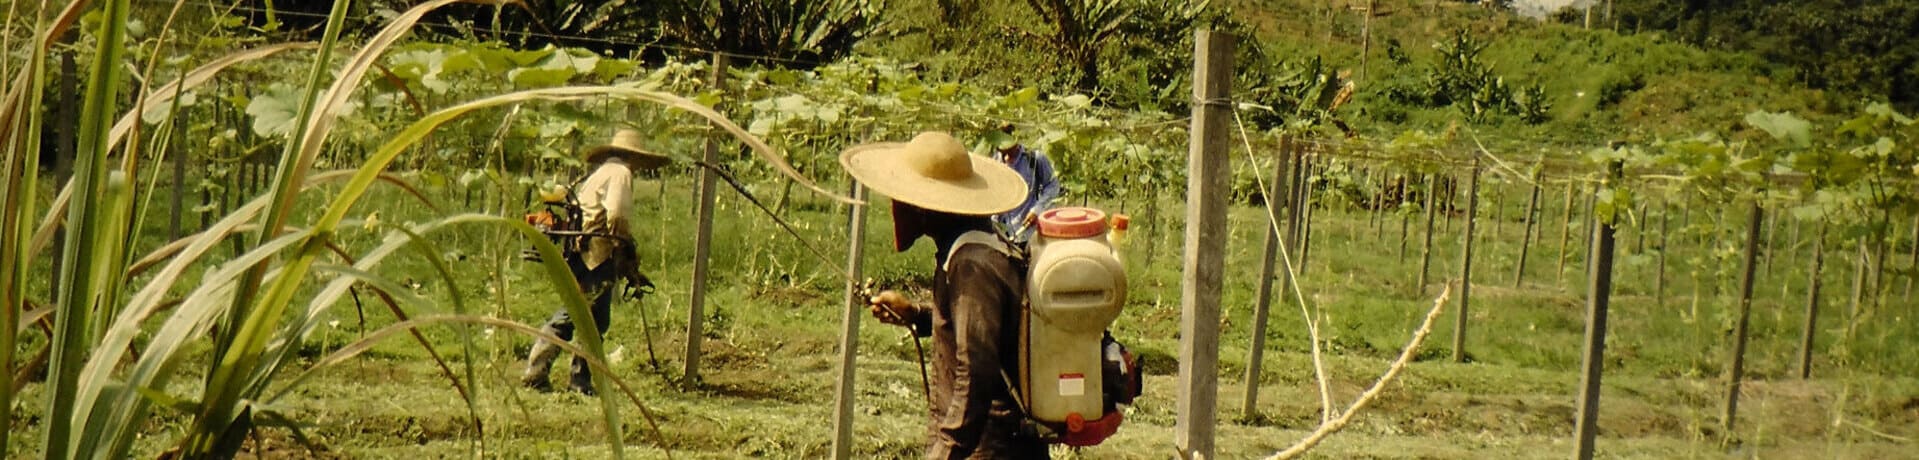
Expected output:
(1042, 186)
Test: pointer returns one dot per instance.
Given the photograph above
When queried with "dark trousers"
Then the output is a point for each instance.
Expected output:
(597, 285)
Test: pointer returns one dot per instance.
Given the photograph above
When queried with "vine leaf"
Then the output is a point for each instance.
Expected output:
(1782, 126)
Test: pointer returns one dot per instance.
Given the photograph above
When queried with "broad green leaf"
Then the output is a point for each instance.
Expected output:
(611, 69)
(422, 67)
(274, 112)
(1783, 126)
(540, 77)
(1077, 101)
(1022, 97)
(1886, 111)
(762, 127)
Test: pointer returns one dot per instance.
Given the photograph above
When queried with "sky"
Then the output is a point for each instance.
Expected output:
(1537, 8)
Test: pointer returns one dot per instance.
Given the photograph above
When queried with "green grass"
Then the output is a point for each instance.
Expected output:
(773, 326)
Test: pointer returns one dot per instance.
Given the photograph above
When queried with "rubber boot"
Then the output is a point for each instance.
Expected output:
(581, 379)
(539, 362)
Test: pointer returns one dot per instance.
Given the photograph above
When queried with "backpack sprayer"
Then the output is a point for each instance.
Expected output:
(558, 219)
(1074, 375)
(562, 221)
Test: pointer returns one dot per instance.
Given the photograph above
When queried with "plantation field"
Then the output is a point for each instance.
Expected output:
(773, 319)
(296, 231)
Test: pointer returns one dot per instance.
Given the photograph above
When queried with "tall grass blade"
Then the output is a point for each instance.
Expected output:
(213, 429)
(119, 413)
(84, 282)
(45, 34)
(43, 236)
(117, 410)
(17, 189)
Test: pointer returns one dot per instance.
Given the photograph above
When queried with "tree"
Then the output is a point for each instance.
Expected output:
(1082, 29)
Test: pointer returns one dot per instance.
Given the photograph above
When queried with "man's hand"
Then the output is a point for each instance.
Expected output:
(892, 308)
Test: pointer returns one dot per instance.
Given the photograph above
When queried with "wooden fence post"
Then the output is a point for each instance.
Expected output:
(1912, 259)
(1262, 300)
(1745, 313)
(1591, 219)
(1466, 266)
(1565, 230)
(1426, 255)
(1659, 274)
(702, 244)
(1525, 243)
(1306, 211)
(850, 325)
(177, 193)
(1405, 220)
(1204, 266)
(1812, 304)
(1499, 209)
(1599, 290)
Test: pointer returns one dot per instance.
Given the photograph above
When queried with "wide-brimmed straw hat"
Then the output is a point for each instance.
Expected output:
(626, 145)
(934, 172)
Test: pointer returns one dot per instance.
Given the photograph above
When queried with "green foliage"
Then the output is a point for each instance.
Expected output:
(1081, 29)
(1859, 48)
(797, 33)
(1461, 80)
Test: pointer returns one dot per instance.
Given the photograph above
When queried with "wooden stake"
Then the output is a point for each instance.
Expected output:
(1599, 288)
(850, 325)
(1745, 313)
(1812, 304)
(1262, 300)
(1591, 219)
(1912, 259)
(1466, 267)
(1306, 211)
(702, 245)
(1526, 242)
(1426, 254)
(1659, 274)
(1205, 264)
(1499, 211)
(1405, 220)
(1565, 230)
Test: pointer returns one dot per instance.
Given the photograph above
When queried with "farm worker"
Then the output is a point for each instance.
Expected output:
(603, 254)
(1042, 183)
(942, 193)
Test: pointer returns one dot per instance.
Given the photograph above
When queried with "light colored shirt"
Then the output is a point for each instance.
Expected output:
(605, 197)
(1042, 186)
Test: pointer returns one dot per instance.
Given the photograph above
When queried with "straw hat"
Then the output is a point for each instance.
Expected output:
(626, 144)
(934, 172)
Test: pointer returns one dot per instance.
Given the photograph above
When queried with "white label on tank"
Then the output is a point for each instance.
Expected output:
(1072, 384)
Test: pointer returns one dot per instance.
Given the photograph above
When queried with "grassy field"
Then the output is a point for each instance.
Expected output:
(773, 322)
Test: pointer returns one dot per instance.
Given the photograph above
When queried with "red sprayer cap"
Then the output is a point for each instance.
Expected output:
(1072, 222)
(1121, 222)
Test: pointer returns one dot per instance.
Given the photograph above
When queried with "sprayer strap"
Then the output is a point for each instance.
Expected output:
(976, 237)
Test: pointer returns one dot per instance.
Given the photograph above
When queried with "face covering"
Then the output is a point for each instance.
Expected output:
(908, 225)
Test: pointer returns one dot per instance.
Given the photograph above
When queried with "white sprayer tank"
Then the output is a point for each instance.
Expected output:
(1076, 288)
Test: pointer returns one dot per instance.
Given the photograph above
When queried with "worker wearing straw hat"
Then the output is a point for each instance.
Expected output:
(948, 196)
(603, 254)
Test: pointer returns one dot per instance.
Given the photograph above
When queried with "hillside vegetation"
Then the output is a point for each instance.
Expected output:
(1417, 65)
